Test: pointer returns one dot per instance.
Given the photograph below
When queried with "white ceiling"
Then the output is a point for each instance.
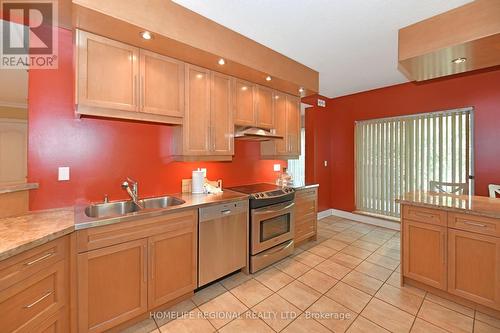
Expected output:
(351, 43)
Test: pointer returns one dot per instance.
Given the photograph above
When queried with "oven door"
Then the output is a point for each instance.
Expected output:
(272, 225)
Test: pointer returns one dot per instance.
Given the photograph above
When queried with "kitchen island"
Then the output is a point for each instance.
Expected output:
(451, 247)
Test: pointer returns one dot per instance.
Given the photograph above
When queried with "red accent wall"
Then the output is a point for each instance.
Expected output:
(480, 90)
(101, 153)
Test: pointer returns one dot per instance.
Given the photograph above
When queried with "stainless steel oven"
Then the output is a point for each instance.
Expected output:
(272, 223)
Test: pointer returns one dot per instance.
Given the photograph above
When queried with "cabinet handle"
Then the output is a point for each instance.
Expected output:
(145, 255)
(443, 239)
(142, 93)
(475, 224)
(152, 256)
(424, 215)
(29, 306)
(45, 256)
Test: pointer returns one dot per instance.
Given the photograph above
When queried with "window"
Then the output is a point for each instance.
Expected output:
(297, 168)
(404, 154)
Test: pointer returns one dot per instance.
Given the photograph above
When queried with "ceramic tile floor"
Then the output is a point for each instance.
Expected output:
(346, 281)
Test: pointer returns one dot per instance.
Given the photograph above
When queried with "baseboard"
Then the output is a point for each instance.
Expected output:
(362, 218)
(325, 213)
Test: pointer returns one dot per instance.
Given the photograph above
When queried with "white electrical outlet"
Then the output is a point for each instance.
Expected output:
(277, 167)
(321, 102)
(326, 163)
(63, 174)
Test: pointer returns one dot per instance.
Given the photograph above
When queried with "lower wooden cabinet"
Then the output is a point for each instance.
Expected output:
(172, 264)
(474, 267)
(424, 253)
(112, 285)
(37, 300)
(121, 281)
(306, 212)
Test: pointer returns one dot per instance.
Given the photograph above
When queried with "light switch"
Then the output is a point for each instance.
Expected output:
(63, 174)
(277, 167)
(326, 163)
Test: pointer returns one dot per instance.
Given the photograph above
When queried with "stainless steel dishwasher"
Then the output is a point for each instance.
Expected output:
(223, 240)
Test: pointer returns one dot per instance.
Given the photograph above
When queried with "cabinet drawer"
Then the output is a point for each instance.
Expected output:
(25, 264)
(312, 193)
(30, 302)
(424, 215)
(95, 238)
(473, 223)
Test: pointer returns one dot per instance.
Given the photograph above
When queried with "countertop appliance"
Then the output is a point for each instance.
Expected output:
(271, 223)
(223, 240)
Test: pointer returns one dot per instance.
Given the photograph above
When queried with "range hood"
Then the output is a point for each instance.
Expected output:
(255, 134)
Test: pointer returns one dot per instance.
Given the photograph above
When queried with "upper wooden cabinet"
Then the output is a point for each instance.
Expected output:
(244, 108)
(208, 129)
(162, 84)
(121, 81)
(287, 120)
(108, 73)
(265, 107)
(427, 48)
(254, 105)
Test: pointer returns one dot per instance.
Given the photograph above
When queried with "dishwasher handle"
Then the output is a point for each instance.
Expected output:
(224, 210)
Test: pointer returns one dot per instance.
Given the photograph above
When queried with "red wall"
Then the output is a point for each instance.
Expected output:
(102, 153)
(480, 90)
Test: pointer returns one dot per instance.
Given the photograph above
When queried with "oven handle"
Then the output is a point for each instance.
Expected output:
(275, 209)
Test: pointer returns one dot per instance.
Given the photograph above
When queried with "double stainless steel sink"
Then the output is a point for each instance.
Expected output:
(121, 208)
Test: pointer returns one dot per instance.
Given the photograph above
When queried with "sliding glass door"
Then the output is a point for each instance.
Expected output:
(431, 151)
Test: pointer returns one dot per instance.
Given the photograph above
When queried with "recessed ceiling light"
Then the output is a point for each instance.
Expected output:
(146, 35)
(222, 61)
(459, 60)
(244, 88)
(268, 78)
(301, 90)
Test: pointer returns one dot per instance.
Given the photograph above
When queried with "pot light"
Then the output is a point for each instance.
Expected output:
(459, 61)
(244, 88)
(222, 61)
(268, 78)
(146, 35)
(301, 90)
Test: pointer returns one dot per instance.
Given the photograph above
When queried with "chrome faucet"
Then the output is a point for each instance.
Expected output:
(131, 186)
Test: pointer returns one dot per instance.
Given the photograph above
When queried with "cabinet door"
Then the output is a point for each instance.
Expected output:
(196, 125)
(244, 114)
(221, 122)
(280, 116)
(293, 125)
(424, 253)
(173, 261)
(306, 207)
(265, 107)
(112, 285)
(162, 84)
(107, 73)
(474, 267)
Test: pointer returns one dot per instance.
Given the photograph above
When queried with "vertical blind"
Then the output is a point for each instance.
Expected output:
(404, 154)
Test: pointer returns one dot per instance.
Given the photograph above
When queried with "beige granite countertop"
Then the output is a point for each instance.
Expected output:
(21, 233)
(469, 204)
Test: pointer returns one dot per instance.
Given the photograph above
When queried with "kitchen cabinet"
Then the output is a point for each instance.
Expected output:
(244, 109)
(126, 269)
(162, 84)
(112, 285)
(306, 214)
(117, 80)
(424, 253)
(474, 267)
(264, 107)
(34, 289)
(172, 263)
(208, 130)
(288, 125)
